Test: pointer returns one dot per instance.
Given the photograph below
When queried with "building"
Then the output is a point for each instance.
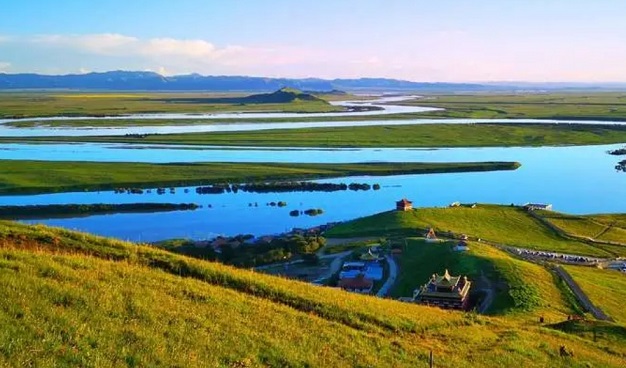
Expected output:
(430, 236)
(537, 206)
(359, 284)
(404, 205)
(449, 292)
(461, 246)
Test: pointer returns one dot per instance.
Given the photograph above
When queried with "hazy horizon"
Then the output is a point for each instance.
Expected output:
(483, 41)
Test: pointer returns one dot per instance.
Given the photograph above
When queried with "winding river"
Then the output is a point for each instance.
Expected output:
(385, 103)
(575, 179)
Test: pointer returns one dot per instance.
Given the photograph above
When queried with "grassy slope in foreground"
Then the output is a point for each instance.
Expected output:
(605, 288)
(425, 135)
(61, 307)
(501, 224)
(25, 176)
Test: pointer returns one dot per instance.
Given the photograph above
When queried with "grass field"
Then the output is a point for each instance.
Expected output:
(605, 227)
(427, 135)
(42, 104)
(522, 289)
(605, 288)
(26, 176)
(71, 299)
(573, 106)
(501, 224)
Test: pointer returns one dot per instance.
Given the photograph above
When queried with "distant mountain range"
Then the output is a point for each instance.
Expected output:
(129, 80)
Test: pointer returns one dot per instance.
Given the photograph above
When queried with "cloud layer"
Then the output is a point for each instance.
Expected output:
(443, 56)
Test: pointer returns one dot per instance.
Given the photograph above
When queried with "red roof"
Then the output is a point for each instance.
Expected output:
(404, 201)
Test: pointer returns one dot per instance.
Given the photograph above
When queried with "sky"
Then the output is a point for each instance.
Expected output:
(418, 40)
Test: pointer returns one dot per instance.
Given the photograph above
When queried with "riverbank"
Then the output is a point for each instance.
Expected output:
(77, 210)
(420, 135)
(25, 177)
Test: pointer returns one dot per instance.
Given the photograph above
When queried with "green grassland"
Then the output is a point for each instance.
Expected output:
(568, 106)
(71, 299)
(605, 227)
(26, 176)
(605, 288)
(500, 224)
(44, 104)
(523, 289)
(426, 135)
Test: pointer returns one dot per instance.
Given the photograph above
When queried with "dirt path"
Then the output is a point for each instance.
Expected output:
(581, 296)
(391, 280)
(489, 291)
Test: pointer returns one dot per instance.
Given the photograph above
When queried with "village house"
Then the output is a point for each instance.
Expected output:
(446, 291)
(461, 246)
(537, 206)
(359, 284)
(404, 205)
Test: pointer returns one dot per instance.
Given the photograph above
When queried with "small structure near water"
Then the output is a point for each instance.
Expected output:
(404, 205)
(446, 291)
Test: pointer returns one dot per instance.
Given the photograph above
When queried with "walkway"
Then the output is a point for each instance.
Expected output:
(581, 296)
(489, 293)
(393, 274)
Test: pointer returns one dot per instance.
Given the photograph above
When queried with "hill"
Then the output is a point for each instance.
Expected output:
(505, 225)
(149, 81)
(71, 299)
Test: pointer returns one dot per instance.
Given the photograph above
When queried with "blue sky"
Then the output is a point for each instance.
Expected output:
(422, 40)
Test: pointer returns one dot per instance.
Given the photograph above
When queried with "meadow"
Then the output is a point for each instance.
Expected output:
(605, 288)
(45, 104)
(73, 299)
(505, 225)
(567, 106)
(426, 135)
(26, 176)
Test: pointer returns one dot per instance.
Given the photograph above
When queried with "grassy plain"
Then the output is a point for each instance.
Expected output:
(605, 288)
(427, 135)
(71, 299)
(45, 104)
(500, 224)
(26, 176)
(567, 106)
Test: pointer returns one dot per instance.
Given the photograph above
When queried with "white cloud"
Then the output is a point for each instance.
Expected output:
(4, 67)
(102, 44)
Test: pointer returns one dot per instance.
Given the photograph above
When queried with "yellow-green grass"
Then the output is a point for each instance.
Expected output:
(72, 299)
(590, 106)
(614, 219)
(43, 104)
(522, 290)
(605, 288)
(615, 234)
(26, 176)
(419, 135)
(501, 224)
(577, 225)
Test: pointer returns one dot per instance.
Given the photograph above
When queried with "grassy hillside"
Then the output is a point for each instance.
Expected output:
(523, 289)
(502, 224)
(71, 299)
(25, 176)
(605, 288)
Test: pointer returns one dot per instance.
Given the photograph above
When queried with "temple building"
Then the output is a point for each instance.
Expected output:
(404, 205)
(449, 292)
(359, 284)
(431, 236)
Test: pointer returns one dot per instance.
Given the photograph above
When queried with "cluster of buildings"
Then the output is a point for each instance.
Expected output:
(359, 276)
